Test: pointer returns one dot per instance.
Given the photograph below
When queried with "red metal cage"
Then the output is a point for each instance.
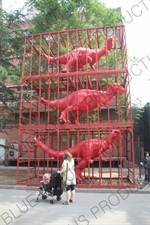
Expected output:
(42, 78)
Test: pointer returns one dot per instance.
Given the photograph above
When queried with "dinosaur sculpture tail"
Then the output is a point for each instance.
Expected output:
(47, 149)
(52, 60)
(47, 103)
(48, 58)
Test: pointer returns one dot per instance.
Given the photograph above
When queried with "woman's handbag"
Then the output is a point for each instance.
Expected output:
(63, 182)
(63, 185)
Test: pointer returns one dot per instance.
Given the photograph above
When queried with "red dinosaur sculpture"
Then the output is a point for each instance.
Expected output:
(80, 57)
(87, 150)
(83, 100)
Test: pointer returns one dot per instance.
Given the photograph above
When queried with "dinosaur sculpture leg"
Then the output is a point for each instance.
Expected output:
(63, 116)
(73, 69)
(90, 62)
(75, 110)
(70, 62)
(71, 108)
(87, 158)
(75, 116)
(78, 169)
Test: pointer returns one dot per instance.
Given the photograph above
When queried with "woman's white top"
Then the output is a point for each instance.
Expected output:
(69, 174)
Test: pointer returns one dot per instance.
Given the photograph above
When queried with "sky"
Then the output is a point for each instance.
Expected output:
(137, 17)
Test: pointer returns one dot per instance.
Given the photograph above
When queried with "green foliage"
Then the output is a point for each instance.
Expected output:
(3, 74)
(11, 44)
(54, 15)
(137, 110)
(6, 93)
(9, 107)
(11, 48)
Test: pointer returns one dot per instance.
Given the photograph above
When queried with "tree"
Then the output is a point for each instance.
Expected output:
(9, 105)
(137, 110)
(52, 15)
(11, 48)
(11, 42)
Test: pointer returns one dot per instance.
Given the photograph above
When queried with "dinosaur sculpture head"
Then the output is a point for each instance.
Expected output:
(115, 135)
(116, 89)
(109, 44)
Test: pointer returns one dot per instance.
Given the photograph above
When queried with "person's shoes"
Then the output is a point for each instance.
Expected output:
(71, 200)
(65, 203)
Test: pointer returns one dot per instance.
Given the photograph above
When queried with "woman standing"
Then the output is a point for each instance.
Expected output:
(69, 177)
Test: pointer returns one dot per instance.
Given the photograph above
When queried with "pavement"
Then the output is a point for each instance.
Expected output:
(127, 206)
(20, 207)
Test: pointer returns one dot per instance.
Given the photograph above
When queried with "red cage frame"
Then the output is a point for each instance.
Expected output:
(41, 79)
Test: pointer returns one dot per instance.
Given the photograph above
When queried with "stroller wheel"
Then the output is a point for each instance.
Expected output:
(52, 201)
(58, 198)
(37, 199)
(44, 197)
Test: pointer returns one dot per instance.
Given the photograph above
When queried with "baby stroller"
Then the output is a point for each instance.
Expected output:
(53, 188)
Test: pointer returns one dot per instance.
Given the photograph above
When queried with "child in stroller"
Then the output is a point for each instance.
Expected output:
(50, 186)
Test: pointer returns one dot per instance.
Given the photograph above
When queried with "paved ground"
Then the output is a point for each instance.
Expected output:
(7, 175)
(91, 206)
(19, 207)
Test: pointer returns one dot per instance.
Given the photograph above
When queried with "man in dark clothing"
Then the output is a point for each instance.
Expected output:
(146, 164)
(148, 168)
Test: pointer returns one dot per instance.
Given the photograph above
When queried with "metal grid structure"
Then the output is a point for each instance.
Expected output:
(44, 79)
